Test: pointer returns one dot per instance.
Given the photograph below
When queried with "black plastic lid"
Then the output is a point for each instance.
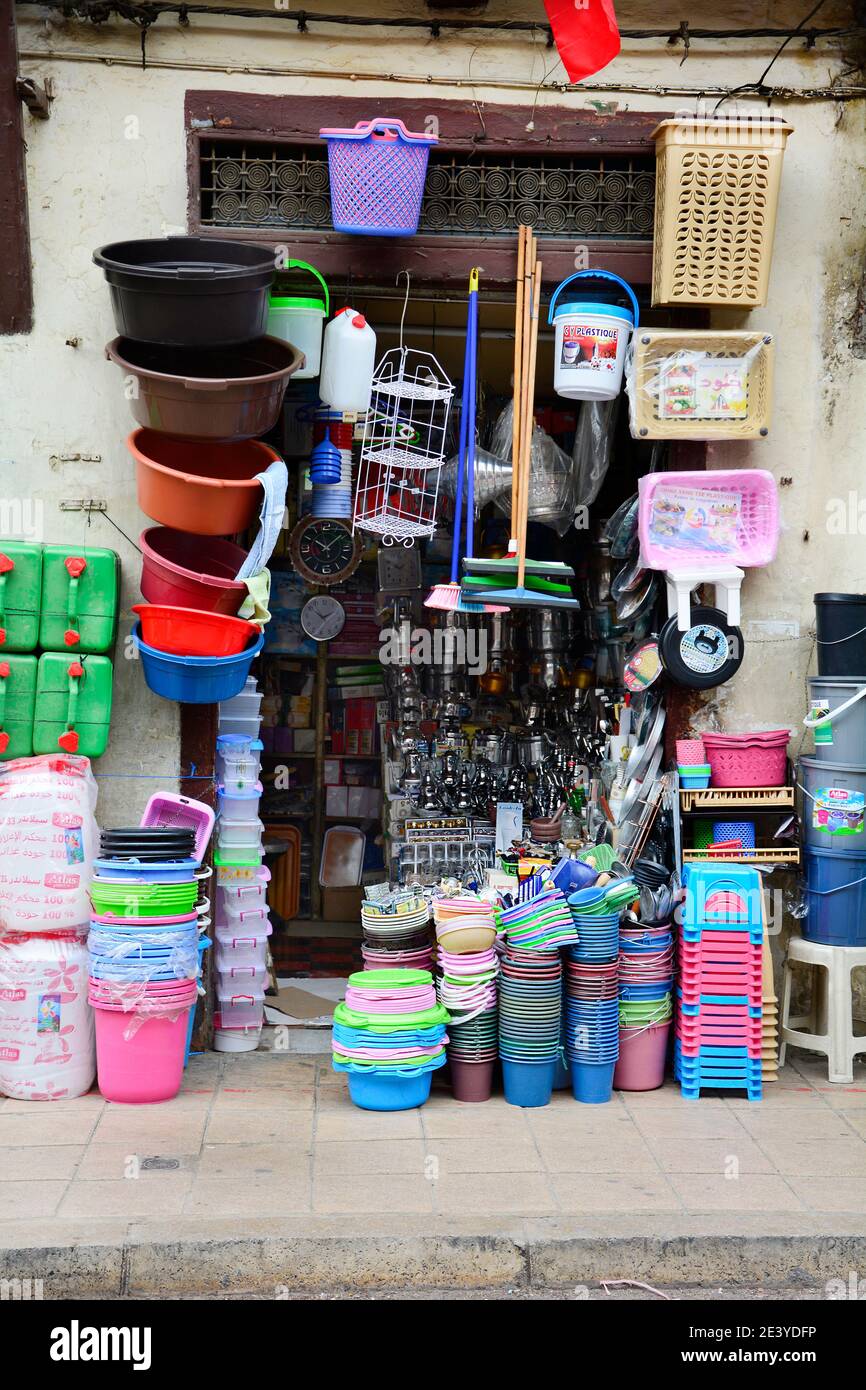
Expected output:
(839, 598)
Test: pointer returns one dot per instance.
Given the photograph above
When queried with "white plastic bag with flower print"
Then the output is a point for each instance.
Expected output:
(47, 1047)
(48, 842)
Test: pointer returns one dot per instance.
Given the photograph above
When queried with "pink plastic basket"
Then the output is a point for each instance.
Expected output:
(728, 515)
(377, 176)
(690, 752)
(746, 764)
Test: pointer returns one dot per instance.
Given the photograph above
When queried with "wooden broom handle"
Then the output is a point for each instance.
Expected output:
(528, 416)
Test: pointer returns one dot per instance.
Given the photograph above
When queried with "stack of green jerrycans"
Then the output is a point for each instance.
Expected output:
(62, 600)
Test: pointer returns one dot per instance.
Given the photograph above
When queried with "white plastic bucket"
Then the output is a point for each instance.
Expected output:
(591, 341)
(300, 319)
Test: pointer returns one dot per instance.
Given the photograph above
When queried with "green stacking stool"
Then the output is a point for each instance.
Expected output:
(73, 704)
(17, 703)
(20, 595)
(79, 599)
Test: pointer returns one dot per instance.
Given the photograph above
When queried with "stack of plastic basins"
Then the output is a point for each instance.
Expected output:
(833, 780)
(242, 921)
(718, 1042)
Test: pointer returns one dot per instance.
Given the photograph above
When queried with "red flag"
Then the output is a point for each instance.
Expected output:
(586, 34)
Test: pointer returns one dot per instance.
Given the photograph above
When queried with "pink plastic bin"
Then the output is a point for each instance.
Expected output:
(148, 1065)
(642, 1055)
(680, 524)
(758, 760)
(167, 810)
(690, 752)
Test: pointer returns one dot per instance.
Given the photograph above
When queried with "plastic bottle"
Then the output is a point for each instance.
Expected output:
(348, 358)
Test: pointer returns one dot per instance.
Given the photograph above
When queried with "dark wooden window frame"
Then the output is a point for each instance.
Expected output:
(464, 127)
(16, 278)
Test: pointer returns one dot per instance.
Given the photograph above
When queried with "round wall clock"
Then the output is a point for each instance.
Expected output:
(324, 551)
(323, 618)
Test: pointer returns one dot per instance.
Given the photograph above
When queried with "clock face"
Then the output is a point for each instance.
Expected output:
(324, 551)
(323, 618)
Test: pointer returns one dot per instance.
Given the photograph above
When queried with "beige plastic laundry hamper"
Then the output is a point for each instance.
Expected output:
(717, 187)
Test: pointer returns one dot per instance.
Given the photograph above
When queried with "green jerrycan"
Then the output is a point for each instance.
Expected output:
(73, 704)
(20, 593)
(79, 599)
(17, 703)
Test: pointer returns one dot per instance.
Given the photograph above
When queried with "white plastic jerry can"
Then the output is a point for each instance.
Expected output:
(348, 358)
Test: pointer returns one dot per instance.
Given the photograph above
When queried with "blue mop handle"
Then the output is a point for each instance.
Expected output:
(461, 463)
(470, 428)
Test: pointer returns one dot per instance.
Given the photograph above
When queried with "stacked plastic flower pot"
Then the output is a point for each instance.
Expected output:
(389, 1037)
(242, 920)
(646, 968)
(719, 1015)
(145, 944)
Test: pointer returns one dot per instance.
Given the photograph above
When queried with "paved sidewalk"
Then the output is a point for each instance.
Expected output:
(267, 1149)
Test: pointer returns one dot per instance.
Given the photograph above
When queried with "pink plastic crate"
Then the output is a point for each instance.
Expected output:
(690, 752)
(730, 516)
(752, 763)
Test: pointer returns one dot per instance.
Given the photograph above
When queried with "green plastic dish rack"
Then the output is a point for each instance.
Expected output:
(79, 599)
(73, 704)
(17, 703)
(20, 592)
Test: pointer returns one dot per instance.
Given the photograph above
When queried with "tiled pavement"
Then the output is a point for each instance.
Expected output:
(275, 1136)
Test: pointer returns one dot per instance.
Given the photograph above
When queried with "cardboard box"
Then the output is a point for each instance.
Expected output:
(304, 740)
(332, 774)
(336, 801)
(342, 904)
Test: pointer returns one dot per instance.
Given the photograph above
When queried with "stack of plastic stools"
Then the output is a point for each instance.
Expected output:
(719, 998)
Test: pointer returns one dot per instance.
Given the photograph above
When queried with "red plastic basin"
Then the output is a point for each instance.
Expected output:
(187, 571)
(208, 489)
(193, 632)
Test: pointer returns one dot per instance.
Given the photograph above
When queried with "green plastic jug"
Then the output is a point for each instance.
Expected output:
(17, 703)
(20, 592)
(73, 704)
(79, 599)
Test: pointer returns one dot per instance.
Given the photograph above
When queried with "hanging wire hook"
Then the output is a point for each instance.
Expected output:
(405, 301)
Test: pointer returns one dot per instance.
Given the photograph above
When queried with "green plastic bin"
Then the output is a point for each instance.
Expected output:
(17, 703)
(79, 599)
(20, 595)
(73, 704)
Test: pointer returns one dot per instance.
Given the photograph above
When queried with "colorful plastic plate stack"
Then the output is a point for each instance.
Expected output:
(389, 1037)
(466, 987)
(542, 922)
(530, 1017)
(397, 933)
(646, 966)
(465, 924)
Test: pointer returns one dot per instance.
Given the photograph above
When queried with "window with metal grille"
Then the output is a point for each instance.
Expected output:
(250, 185)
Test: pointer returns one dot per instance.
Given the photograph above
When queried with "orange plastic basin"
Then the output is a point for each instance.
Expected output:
(209, 489)
(191, 632)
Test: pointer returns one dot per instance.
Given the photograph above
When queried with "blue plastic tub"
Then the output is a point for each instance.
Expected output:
(195, 680)
(528, 1084)
(592, 1082)
(133, 871)
(835, 898)
(203, 944)
(381, 1090)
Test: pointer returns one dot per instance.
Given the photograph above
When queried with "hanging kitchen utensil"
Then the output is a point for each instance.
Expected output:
(709, 653)
(642, 667)
(649, 737)
(633, 606)
(630, 577)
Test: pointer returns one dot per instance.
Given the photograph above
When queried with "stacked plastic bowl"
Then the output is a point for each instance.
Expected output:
(389, 1037)
(464, 923)
(145, 943)
(396, 930)
(530, 1020)
(646, 967)
(466, 987)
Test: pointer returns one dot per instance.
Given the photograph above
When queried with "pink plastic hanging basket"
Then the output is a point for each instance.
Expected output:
(377, 176)
(725, 516)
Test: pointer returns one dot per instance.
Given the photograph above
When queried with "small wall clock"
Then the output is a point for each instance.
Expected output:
(324, 551)
(323, 618)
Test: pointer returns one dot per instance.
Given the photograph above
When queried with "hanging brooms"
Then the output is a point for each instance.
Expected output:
(515, 580)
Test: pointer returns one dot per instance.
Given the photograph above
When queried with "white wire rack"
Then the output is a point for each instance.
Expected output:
(405, 437)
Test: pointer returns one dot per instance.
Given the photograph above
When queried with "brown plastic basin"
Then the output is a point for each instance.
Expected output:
(207, 393)
(209, 489)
